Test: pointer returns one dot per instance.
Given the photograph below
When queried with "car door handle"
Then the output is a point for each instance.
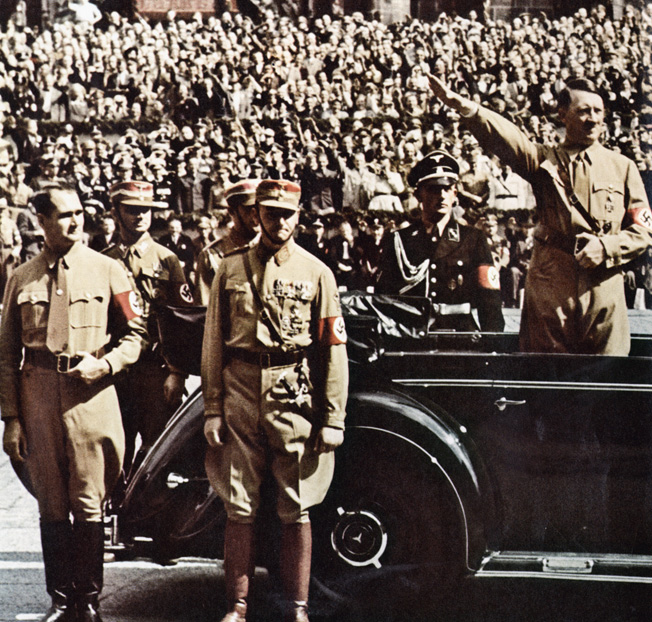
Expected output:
(503, 403)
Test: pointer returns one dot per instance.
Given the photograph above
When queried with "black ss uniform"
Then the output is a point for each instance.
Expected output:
(456, 272)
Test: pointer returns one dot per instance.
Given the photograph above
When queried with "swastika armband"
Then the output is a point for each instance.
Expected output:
(129, 303)
(331, 331)
(641, 216)
(185, 294)
(488, 277)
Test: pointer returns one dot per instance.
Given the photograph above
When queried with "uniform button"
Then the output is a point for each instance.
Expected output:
(434, 239)
(460, 262)
(268, 297)
(59, 292)
(433, 280)
(433, 294)
(433, 266)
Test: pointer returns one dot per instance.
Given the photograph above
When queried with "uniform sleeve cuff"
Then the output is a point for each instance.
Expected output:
(471, 112)
(213, 410)
(334, 422)
(113, 361)
(611, 245)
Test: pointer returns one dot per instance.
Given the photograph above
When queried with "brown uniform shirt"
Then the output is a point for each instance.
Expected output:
(209, 260)
(567, 308)
(99, 292)
(301, 296)
(155, 273)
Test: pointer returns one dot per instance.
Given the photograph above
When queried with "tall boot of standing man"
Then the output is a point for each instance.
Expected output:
(296, 553)
(56, 540)
(238, 568)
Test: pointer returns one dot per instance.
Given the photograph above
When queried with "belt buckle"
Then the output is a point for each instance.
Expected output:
(70, 362)
(265, 359)
(63, 363)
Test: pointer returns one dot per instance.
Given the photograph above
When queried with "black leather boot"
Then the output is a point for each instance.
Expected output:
(62, 609)
(56, 540)
(88, 607)
(297, 612)
(88, 569)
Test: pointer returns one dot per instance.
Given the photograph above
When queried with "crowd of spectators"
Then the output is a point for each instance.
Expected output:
(340, 104)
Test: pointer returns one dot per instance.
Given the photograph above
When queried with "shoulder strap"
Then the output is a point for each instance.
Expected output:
(573, 198)
(264, 313)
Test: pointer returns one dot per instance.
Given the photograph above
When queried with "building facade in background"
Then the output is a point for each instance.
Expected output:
(386, 11)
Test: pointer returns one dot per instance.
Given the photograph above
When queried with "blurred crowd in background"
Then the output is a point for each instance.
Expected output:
(339, 104)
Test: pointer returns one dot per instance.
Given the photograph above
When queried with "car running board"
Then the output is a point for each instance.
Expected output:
(569, 566)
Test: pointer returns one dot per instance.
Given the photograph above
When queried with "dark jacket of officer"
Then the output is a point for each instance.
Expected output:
(455, 272)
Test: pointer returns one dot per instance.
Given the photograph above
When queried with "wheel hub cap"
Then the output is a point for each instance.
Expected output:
(359, 538)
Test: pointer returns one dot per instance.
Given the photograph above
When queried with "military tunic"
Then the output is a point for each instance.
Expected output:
(10, 245)
(276, 387)
(454, 270)
(74, 434)
(568, 308)
(156, 274)
(209, 260)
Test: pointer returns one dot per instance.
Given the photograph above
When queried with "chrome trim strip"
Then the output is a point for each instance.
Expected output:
(515, 574)
(600, 560)
(533, 384)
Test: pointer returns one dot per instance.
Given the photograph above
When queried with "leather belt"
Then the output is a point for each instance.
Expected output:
(266, 359)
(555, 238)
(61, 363)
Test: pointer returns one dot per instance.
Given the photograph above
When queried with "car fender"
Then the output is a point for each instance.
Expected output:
(427, 428)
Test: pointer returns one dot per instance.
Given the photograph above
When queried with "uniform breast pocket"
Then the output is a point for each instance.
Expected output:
(240, 298)
(86, 309)
(456, 279)
(156, 283)
(295, 317)
(609, 203)
(33, 307)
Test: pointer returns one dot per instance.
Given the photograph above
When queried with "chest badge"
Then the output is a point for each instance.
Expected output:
(454, 234)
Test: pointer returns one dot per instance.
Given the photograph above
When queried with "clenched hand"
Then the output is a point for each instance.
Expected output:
(14, 441)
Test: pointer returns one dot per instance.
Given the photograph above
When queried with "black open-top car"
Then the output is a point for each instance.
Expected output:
(462, 456)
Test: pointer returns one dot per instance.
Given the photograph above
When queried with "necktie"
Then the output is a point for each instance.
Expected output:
(581, 180)
(58, 317)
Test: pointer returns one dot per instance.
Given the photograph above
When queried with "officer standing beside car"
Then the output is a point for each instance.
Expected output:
(241, 201)
(151, 390)
(441, 259)
(593, 217)
(274, 379)
(69, 324)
